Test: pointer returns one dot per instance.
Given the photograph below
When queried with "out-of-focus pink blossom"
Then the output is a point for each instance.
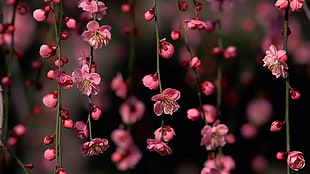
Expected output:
(151, 81)
(230, 138)
(276, 126)
(50, 154)
(61, 171)
(259, 111)
(227, 163)
(296, 5)
(18, 130)
(132, 110)
(96, 112)
(196, 24)
(230, 52)
(87, 83)
(40, 14)
(94, 147)
(50, 100)
(122, 138)
(248, 130)
(281, 4)
(222, 5)
(193, 114)
(166, 102)
(126, 158)
(206, 87)
(64, 80)
(175, 34)
(166, 49)
(119, 86)
(160, 147)
(281, 155)
(81, 129)
(195, 63)
(273, 62)
(96, 35)
(259, 163)
(295, 160)
(207, 170)
(214, 136)
(47, 51)
(209, 112)
(165, 133)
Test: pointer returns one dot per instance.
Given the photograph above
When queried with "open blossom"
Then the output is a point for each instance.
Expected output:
(214, 136)
(87, 83)
(158, 146)
(296, 5)
(166, 102)
(274, 63)
(196, 24)
(64, 80)
(295, 160)
(227, 164)
(94, 147)
(96, 35)
(92, 7)
(132, 110)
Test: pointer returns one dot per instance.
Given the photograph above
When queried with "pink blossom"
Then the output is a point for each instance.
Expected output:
(165, 133)
(50, 154)
(227, 164)
(214, 136)
(295, 95)
(194, 63)
(87, 83)
(70, 23)
(259, 163)
(47, 51)
(207, 170)
(40, 14)
(119, 86)
(122, 138)
(126, 158)
(95, 113)
(175, 34)
(81, 129)
(166, 49)
(193, 114)
(209, 112)
(276, 126)
(96, 35)
(230, 52)
(18, 130)
(68, 123)
(196, 24)
(295, 160)
(281, 155)
(101, 10)
(61, 171)
(132, 110)
(64, 80)
(273, 62)
(149, 15)
(151, 81)
(183, 5)
(158, 146)
(166, 102)
(221, 5)
(296, 5)
(259, 111)
(281, 4)
(206, 87)
(50, 100)
(94, 147)
(248, 130)
(49, 139)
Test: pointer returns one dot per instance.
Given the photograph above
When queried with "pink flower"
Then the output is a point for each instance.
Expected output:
(274, 63)
(40, 14)
(47, 51)
(95, 113)
(158, 146)
(276, 126)
(296, 5)
(68, 123)
(96, 35)
(295, 95)
(166, 102)
(70, 23)
(166, 49)
(149, 15)
(122, 138)
(214, 136)
(126, 158)
(132, 110)
(87, 83)
(101, 10)
(259, 111)
(227, 164)
(88, 6)
(50, 154)
(166, 132)
(94, 147)
(196, 24)
(64, 80)
(151, 81)
(230, 52)
(210, 112)
(81, 129)
(193, 114)
(295, 160)
(50, 100)
(206, 87)
(119, 85)
(175, 34)
(194, 63)
(281, 4)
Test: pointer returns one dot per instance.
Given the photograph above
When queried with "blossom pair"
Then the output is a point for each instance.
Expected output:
(295, 5)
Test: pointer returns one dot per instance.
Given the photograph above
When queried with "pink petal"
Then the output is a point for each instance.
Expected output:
(171, 94)
(92, 26)
(95, 78)
(158, 108)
